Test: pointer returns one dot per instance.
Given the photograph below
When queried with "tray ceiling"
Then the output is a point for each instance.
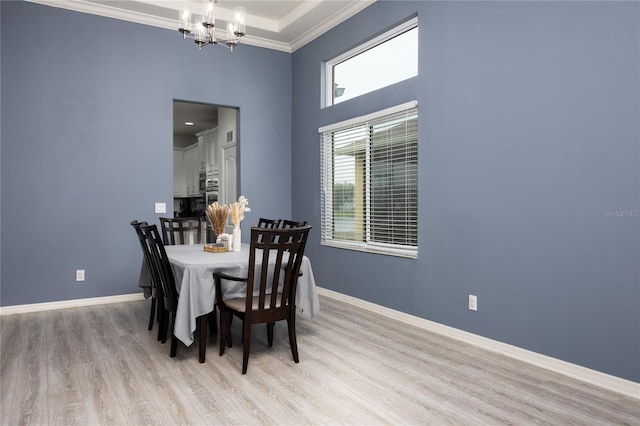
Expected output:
(284, 25)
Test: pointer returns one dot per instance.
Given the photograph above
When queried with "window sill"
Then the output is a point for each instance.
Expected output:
(375, 249)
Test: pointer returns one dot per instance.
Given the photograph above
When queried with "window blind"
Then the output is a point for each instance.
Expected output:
(369, 182)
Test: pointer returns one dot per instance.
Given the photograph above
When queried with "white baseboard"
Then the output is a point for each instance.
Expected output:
(613, 383)
(64, 304)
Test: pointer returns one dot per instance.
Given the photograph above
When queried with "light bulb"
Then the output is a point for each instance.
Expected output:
(239, 15)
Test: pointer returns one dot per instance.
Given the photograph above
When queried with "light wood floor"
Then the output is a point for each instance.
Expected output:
(100, 366)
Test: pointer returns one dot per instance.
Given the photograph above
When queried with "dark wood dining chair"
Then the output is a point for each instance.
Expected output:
(160, 261)
(176, 230)
(275, 256)
(156, 289)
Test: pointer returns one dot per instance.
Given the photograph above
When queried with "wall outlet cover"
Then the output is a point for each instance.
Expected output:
(473, 302)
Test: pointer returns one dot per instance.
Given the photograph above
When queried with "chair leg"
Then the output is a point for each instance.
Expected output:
(160, 324)
(225, 325)
(153, 313)
(174, 339)
(270, 326)
(213, 321)
(246, 335)
(291, 324)
(163, 331)
(174, 346)
(159, 307)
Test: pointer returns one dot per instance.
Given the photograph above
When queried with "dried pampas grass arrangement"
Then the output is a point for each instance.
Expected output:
(217, 215)
(238, 209)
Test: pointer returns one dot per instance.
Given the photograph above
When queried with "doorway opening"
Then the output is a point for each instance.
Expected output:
(204, 157)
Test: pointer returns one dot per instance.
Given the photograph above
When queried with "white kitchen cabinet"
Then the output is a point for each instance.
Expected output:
(210, 148)
(179, 184)
(188, 163)
(227, 140)
(192, 172)
(229, 187)
(213, 163)
(202, 149)
(186, 171)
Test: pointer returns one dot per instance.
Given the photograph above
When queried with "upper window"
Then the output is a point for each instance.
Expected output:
(369, 182)
(382, 61)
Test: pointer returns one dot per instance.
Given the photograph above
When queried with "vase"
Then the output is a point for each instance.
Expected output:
(236, 238)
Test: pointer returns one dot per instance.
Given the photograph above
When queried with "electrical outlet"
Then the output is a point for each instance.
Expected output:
(473, 302)
(80, 275)
(161, 207)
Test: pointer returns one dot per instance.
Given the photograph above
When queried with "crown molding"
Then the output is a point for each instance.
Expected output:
(266, 43)
(109, 12)
(329, 23)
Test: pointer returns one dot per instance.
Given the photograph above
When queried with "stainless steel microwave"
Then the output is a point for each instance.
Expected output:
(208, 182)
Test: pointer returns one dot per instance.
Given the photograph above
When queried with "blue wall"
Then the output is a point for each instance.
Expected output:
(87, 142)
(529, 173)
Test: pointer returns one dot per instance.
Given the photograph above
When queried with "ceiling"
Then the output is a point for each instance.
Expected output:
(284, 25)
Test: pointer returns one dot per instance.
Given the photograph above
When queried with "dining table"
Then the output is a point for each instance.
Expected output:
(193, 269)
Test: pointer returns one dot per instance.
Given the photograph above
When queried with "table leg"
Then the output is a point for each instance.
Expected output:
(203, 337)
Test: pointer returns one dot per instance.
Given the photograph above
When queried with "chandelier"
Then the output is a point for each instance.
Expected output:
(204, 26)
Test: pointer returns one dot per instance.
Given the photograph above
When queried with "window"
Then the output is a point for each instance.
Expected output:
(369, 179)
(385, 60)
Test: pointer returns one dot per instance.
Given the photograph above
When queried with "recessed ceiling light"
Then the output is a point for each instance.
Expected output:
(188, 123)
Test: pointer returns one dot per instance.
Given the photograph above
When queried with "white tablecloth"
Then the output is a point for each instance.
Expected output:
(193, 270)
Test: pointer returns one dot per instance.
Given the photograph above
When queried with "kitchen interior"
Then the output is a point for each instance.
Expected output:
(204, 158)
